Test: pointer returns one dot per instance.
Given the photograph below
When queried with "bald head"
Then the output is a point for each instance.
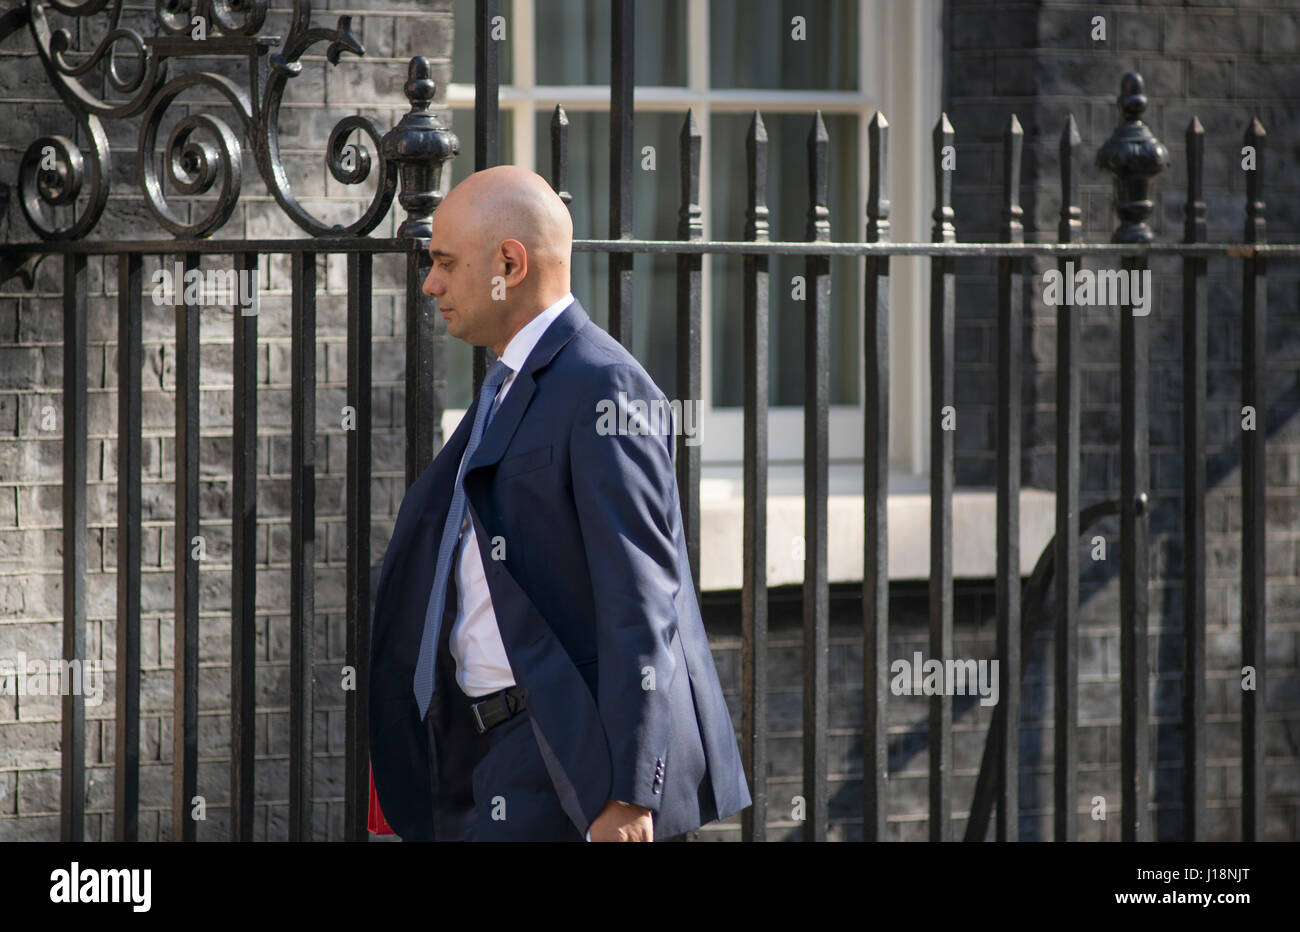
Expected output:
(501, 245)
(509, 202)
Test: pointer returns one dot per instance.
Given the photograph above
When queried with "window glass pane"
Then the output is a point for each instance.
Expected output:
(573, 42)
(755, 43)
(460, 356)
(462, 46)
(655, 196)
(787, 201)
(462, 124)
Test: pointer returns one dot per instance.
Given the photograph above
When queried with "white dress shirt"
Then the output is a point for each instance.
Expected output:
(475, 640)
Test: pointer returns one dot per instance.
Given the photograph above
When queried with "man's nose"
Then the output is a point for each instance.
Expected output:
(431, 285)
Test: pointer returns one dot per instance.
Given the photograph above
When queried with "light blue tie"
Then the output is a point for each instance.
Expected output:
(424, 667)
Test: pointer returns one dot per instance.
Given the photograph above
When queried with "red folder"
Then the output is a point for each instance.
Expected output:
(375, 820)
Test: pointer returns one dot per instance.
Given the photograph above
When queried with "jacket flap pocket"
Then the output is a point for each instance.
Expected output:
(524, 462)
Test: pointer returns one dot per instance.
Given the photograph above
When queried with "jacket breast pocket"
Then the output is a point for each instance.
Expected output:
(524, 462)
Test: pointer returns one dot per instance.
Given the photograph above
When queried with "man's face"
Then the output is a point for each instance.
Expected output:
(460, 279)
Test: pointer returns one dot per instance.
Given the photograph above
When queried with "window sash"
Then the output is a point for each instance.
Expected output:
(891, 36)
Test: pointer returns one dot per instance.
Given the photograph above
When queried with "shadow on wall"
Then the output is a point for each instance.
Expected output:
(903, 748)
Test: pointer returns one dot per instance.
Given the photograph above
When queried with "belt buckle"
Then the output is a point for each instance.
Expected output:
(478, 719)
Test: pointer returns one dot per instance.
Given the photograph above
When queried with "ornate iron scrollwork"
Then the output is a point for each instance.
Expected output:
(53, 171)
(202, 151)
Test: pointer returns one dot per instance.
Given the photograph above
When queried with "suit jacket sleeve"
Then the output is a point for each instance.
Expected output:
(626, 498)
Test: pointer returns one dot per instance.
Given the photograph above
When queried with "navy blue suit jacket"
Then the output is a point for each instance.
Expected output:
(594, 600)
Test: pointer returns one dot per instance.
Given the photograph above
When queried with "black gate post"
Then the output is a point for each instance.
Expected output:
(420, 145)
(1134, 156)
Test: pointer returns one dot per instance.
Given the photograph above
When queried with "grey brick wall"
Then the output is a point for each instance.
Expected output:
(974, 637)
(975, 634)
(30, 457)
(1224, 62)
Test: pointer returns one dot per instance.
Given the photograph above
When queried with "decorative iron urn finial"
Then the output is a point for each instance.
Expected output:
(420, 144)
(1134, 156)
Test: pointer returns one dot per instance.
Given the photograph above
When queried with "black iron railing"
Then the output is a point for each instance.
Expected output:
(410, 158)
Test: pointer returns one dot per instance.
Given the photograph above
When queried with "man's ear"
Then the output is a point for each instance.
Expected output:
(514, 261)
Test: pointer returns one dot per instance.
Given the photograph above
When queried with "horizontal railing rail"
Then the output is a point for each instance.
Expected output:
(325, 244)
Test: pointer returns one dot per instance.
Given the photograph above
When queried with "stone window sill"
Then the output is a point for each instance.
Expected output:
(974, 538)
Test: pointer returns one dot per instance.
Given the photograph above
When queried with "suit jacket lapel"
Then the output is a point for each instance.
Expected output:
(505, 421)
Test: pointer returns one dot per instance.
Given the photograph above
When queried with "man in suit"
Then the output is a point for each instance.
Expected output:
(539, 667)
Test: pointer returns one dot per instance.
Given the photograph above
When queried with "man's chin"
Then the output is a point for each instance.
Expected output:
(454, 329)
(466, 338)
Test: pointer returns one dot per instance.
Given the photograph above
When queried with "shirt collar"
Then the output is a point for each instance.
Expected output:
(521, 344)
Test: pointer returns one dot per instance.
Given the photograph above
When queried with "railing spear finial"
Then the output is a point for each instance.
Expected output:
(560, 154)
(1013, 142)
(1071, 223)
(877, 190)
(1254, 141)
(756, 213)
(944, 154)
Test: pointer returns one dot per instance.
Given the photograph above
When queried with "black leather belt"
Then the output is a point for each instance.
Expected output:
(495, 708)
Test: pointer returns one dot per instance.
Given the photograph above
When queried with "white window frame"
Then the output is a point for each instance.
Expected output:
(895, 41)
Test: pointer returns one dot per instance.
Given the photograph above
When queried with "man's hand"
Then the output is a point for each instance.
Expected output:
(622, 822)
